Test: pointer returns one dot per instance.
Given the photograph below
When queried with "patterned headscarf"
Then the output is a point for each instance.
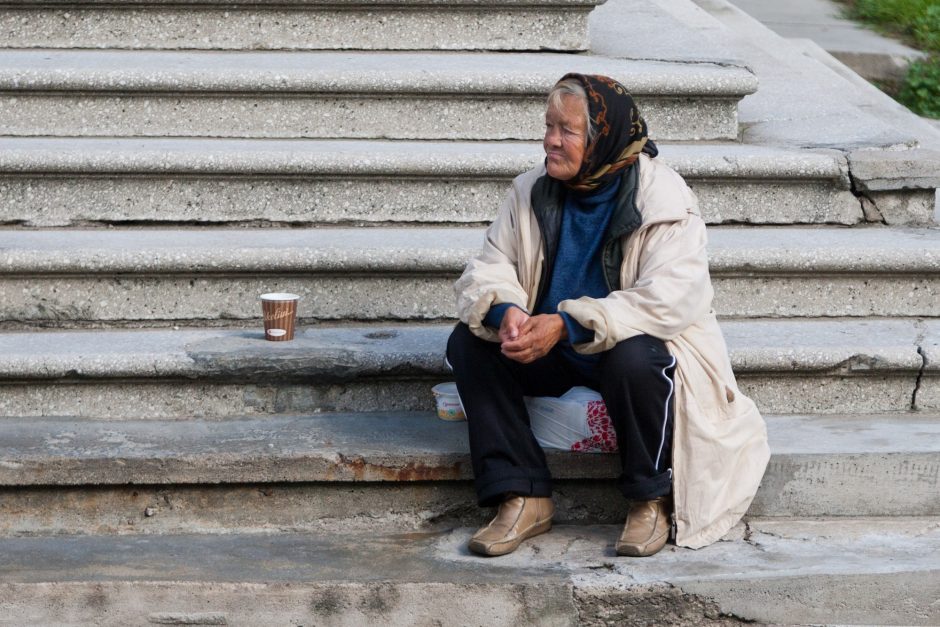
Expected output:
(620, 133)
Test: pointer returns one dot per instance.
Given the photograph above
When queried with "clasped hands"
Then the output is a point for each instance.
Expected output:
(525, 338)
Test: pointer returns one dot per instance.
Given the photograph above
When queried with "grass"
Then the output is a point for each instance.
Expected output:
(917, 22)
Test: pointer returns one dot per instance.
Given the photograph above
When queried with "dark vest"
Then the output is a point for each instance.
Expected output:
(548, 201)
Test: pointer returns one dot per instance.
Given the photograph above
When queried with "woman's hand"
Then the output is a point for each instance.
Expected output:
(511, 326)
(536, 336)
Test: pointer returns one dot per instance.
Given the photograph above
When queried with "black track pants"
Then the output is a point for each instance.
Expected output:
(635, 379)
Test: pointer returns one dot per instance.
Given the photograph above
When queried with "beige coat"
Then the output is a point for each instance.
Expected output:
(720, 441)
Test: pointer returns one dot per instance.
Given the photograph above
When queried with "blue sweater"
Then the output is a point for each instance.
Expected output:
(578, 270)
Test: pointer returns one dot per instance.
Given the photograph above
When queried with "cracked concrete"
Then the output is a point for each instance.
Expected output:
(327, 182)
(839, 366)
(402, 471)
(560, 577)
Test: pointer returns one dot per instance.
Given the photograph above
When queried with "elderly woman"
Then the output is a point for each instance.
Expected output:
(594, 273)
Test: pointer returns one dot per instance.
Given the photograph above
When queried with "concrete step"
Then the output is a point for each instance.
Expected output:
(787, 366)
(856, 571)
(59, 182)
(299, 24)
(843, 116)
(463, 96)
(400, 471)
(161, 277)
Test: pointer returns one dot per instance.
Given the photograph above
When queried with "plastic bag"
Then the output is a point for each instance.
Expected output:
(575, 421)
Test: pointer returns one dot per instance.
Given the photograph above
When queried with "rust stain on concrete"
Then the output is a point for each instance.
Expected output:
(362, 470)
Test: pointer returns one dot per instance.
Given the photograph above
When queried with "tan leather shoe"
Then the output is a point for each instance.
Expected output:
(647, 527)
(518, 518)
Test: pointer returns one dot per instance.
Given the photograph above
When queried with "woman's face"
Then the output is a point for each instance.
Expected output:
(565, 137)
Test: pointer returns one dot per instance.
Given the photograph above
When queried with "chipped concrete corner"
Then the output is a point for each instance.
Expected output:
(662, 604)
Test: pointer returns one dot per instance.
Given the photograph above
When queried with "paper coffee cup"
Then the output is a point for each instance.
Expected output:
(280, 316)
(449, 406)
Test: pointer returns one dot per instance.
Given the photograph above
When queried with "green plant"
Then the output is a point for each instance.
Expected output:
(921, 92)
(892, 14)
(926, 29)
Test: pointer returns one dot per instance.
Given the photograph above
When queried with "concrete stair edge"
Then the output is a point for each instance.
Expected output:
(374, 157)
(810, 455)
(854, 347)
(316, 181)
(158, 277)
(299, 25)
(775, 572)
(811, 250)
(337, 3)
(455, 73)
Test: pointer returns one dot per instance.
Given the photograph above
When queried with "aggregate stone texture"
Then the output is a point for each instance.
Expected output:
(49, 182)
(687, 39)
(928, 391)
(787, 366)
(881, 465)
(879, 171)
(326, 507)
(455, 73)
(772, 115)
(781, 572)
(914, 207)
(96, 277)
(362, 116)
(342, 95)
(298, 26)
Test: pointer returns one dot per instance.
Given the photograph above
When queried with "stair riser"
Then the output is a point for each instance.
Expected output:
(392, 507)
(300, 28)
(794, 485)
(884, 598)
(69, 200)
(777, 392)
(123, 300)
(394, 604)
(358, 116)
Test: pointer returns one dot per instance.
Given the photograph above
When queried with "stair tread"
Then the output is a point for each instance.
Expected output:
(386, 446)
(365, 157)
(453, 73)
(792, 567)
(876, 250)
(343, 353)
(785, 547)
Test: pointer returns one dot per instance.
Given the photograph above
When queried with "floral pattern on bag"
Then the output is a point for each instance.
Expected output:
(603, 439)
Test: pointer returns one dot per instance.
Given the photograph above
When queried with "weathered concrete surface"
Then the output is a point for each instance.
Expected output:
(781, 573)
(687, 41)
(844, 116)
(868, 97)
(413, 25)
(362, 116)
(97, 277)
(772, 115)
(324, 507)
(872, 55)
(834, 366)
(329, 603)
(812, 472)
(48, 182)
(481, 74)
(342, 95)
(400, 471)
(341, 353)
(927, 394)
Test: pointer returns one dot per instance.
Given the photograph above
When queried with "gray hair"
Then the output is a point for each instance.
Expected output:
(573, 87)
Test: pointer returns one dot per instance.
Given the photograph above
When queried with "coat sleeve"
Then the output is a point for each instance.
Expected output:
(672, 289)
(492, 276)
